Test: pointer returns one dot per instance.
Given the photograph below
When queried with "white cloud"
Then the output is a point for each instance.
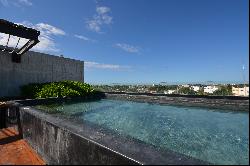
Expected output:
(93, 25)
(49, 29)
(107, 19)
(127, 48)
(18, 3)
(46, 44)
(25, 2)
(84, 38)
(106, 66)
(102, 10)
(101, 18)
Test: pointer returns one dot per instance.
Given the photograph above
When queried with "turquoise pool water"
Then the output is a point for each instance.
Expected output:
(219, 137)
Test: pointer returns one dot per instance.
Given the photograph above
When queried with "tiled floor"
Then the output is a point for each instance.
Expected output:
(16, 151)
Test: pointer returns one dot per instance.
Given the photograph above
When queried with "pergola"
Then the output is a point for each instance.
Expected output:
(19, 31)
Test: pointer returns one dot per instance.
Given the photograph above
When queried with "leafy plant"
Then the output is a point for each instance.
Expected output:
(58, 89)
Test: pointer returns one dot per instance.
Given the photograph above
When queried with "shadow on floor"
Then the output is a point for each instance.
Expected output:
(8, 135)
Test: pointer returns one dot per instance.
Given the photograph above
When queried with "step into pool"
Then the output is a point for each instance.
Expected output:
(212, 135)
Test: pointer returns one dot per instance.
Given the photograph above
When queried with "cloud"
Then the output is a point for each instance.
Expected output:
(101, 18)
(49, 29)
(46, 44)
(127, 48)
(25, 2)
(84, 38)
(102, 10)
(107, 66)
(18, 3)
(93, 25)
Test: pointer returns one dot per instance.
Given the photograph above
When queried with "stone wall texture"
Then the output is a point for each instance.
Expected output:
(36, 68)
(236, 103)
(61, 146)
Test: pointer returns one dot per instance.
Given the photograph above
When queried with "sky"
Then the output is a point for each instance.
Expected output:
(141, 41)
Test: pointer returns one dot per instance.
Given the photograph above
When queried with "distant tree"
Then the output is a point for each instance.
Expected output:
(201, 92)
(152, 88)
(186, 90)
(224, 91)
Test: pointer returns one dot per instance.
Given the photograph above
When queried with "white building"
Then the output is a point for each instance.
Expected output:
(240, 91)
(169, 92)
(185, 86)
(210, 89)
(195, 88)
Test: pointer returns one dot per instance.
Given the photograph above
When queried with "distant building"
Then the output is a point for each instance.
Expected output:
(169, 92)
(186, 86)
(195, 88)
(163, 83)
(240, 91)
(210, 89)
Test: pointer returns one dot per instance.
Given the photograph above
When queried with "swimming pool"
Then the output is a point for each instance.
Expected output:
(215, 136)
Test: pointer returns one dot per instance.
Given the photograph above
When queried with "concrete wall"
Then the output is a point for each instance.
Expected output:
(36, 68)
(60, 146)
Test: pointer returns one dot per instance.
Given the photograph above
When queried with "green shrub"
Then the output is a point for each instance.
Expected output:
(224, 91)
(58, 89)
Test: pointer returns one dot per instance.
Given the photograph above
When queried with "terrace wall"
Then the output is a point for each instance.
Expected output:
(36, 68)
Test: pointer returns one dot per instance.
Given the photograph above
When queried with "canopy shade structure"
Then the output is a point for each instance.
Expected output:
(20, 31)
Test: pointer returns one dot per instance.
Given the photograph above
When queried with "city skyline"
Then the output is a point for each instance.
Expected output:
(142, 41)
(175, 83)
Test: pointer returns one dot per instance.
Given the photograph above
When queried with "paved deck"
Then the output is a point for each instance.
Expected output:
(16, 151)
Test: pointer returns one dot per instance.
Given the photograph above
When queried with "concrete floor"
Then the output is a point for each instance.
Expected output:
(16, 151)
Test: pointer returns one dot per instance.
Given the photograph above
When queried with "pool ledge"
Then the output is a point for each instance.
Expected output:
(232, 103)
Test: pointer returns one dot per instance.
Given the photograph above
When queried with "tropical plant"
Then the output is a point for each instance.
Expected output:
(58, 89)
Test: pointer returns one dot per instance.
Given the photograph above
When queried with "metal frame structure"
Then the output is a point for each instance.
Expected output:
(21, 32)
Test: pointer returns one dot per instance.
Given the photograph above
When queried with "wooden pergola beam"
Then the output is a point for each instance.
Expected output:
(18, 30)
